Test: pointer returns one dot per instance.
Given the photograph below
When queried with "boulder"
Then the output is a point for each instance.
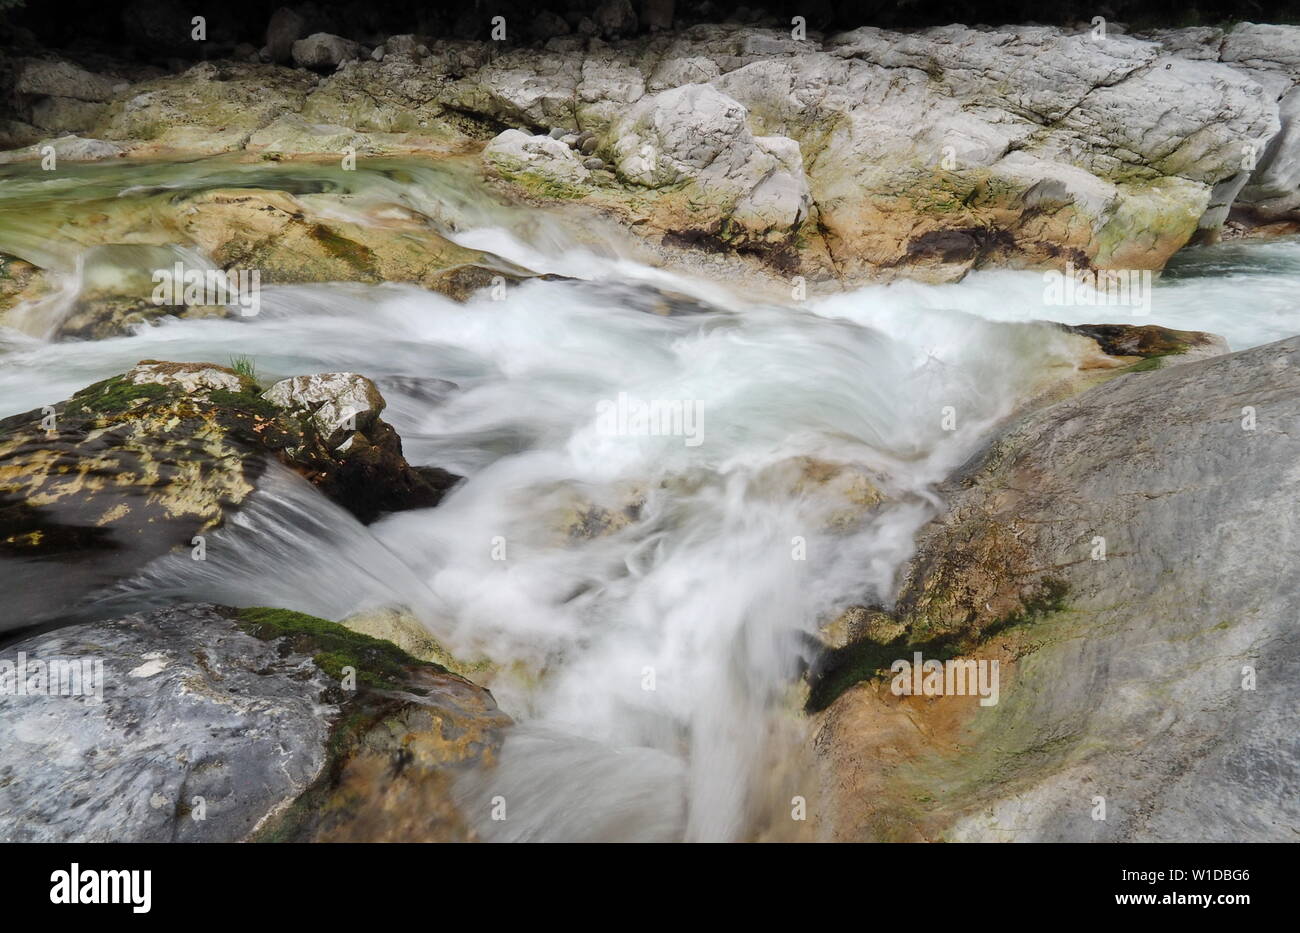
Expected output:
(65, 115)
(93, 488)
(1126, 556)
(324, 52)
(293, 135)
(396, 95)
(539, 163)
(211, 108)
(695, 135)
(338, 405)
(288, 241)
(405, 46)
(221, 725)
(72, 148)
(522, 89)
(54, 78)
(347, 451)
(19, 281)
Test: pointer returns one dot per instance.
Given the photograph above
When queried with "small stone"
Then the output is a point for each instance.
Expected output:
(593, 164)
(588, 145)
(557, 132)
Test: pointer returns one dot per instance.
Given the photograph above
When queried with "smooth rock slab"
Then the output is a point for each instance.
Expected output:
(1164, 678)
(192, 707)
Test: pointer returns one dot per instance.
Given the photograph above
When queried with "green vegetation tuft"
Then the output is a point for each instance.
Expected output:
(244, 366)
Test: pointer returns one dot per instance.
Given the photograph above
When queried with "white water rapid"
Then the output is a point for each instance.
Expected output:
(641, 600)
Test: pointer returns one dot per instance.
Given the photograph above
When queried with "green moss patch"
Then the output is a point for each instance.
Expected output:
(247, 400)
(333, 647)
(359, 256)
(114, 395)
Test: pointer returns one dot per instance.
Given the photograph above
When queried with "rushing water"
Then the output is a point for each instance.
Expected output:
(649, 653)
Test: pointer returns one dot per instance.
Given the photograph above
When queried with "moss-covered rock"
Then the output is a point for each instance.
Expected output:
(399, 738)
(281, 237)
(127, 469)
(1124, 556)
(225, 725)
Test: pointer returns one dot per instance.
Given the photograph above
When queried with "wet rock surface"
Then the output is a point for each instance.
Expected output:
(1124, 554)
(222, 725)
(128, 469)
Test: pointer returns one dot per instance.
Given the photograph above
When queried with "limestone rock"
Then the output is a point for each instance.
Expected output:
(289, 242)
(396, 95)
(697, 135)
(71, 148)
(538, 162)
(293, 135)
(65, 115)
(210, 108)
(337, 404)
(223, 725)
(522, 89)
(53, 78)
(1126, 555)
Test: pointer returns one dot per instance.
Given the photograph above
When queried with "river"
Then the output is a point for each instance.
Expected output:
(650, 649)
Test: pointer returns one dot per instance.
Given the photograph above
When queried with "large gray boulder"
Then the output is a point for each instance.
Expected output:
(70, 148)
(698, 135)
(1129, 556)
(198, 723)
(191, 707)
